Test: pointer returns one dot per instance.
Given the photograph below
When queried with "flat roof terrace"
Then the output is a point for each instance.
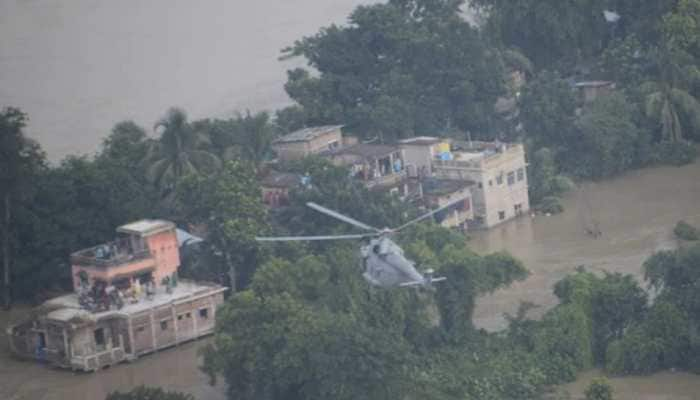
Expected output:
(66, 307)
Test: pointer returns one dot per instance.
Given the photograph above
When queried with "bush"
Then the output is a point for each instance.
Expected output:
(149, 393)
(599, 389)
(685, 231)
(550, 205)
(674, 153)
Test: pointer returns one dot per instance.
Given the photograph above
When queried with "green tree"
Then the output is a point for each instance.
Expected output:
(400, 68)
(148, 393)
(20, 160)
(549, 32)
(178, 152)
(599, 389)
(548, 112)
(543, 178)
(228, 204)
(607, 138)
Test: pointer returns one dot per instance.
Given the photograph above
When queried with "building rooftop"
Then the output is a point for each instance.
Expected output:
(362, 150)
(284, 180)
(146, 227)
(67, 308)
(439, 187)
(593, 84)
(307, 134)
(421, 141)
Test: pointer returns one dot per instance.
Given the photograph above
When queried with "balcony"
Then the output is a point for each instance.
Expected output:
(108, 255)
(386, 180)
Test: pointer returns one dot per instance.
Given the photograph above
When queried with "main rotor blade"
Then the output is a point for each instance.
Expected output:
(342, 217)
(424, 216)
(304, 238)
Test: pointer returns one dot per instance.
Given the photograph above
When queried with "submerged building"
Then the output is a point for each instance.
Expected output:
(127, 301)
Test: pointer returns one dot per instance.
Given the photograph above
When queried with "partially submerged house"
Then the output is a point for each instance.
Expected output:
(499, 171)
(454, 193)
(127, 302)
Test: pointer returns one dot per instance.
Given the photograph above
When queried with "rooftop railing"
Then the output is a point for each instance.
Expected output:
(108, 255)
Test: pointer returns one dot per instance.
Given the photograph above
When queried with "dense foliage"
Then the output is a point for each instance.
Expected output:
(309, 327)
(148, 393)
(400, 68)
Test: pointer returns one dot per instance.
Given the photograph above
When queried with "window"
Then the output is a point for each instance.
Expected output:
(501, 215)
(140, 329)
(164, 325)
(99, 337)
(521, 174)
(481, 185)
(188, 315)
(518, 208)
(179, 317)
(499, 179)
(511, 178)
(490, 182)
(203, 313)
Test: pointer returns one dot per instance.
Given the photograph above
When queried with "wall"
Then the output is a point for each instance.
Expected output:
(163, 247)
(295, 150)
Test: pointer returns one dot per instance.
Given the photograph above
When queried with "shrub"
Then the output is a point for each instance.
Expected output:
(685, 231)
(599, 389)
(148, 393)
(674, 153)
(550, 205)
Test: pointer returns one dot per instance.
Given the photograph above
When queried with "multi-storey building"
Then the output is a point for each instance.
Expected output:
(127, 301)
(499, 172)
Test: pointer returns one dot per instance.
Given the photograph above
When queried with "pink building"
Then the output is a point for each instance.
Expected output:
(110, 317)
(145, 250)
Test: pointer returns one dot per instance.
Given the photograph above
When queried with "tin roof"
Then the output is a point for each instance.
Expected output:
(146, 227)
(421, 141)
(593, 84)
(283, 180)
(306, 134)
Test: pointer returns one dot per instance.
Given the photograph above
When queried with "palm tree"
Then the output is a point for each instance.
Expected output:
(180, 151)
(254, 136)
(666, 100)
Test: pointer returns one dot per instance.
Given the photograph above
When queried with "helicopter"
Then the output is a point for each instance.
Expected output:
(384, 262)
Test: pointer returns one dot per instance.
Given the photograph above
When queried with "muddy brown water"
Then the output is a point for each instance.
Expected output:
(635, 212)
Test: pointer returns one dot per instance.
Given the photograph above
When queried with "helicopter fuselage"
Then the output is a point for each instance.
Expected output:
(386, 266)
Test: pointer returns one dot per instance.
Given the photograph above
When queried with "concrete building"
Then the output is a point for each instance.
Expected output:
(308, 141)
(419, 153)
(127, 302)
(145, 250)
(499, 173)
(377, 166)
(456, 193)
(276, 185)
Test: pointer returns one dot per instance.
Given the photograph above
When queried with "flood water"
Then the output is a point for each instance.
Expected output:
(79, 66)
(636, 213)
